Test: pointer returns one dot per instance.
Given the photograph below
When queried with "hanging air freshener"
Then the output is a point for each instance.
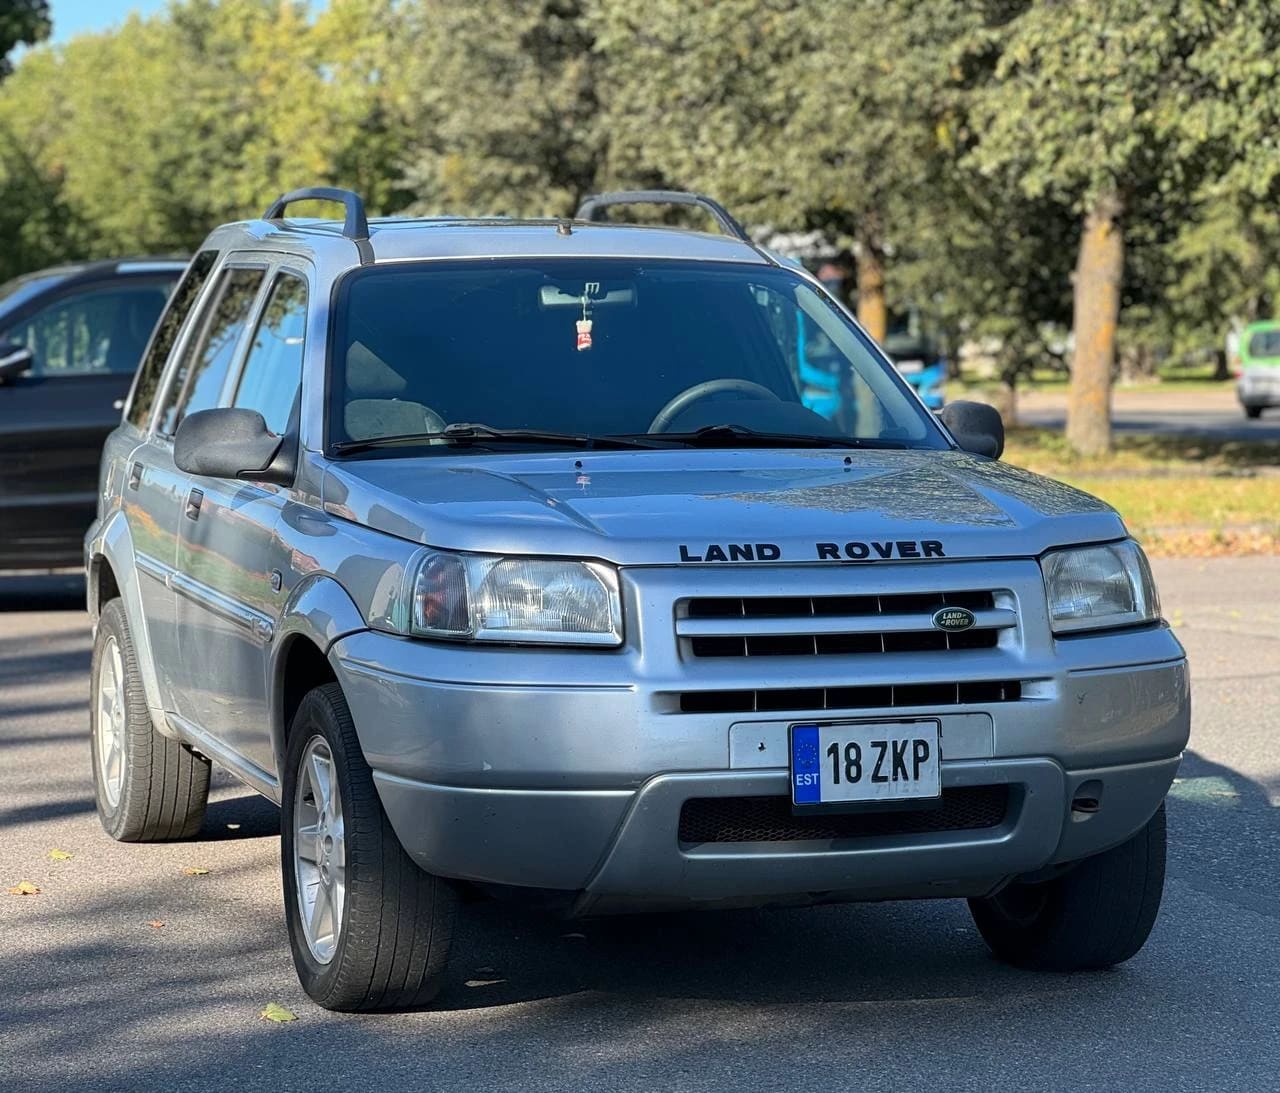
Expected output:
(584, 326)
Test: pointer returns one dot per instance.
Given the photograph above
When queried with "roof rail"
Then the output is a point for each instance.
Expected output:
(597, 203)
(356, 225)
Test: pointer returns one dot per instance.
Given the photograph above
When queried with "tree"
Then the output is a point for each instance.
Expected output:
(803, 114)
(509, 118)
(152, 134)
(1088, 106)
(22, 22)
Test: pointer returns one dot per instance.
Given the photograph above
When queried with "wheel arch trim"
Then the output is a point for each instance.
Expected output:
(319, 611)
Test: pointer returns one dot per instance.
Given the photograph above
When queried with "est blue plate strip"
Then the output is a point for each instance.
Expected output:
(805, 787)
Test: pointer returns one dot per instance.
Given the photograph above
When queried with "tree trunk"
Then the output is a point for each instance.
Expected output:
(872, 312)
(1096, 312)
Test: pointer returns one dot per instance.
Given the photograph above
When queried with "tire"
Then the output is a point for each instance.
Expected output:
(1096, 915)
(388, 945)
(1253, 412)
(149, 788)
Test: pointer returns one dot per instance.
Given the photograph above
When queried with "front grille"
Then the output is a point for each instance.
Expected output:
(769, 819)
(770, 626)
(889, 696)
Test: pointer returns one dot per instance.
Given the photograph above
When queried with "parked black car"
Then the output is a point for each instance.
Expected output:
(70, 341)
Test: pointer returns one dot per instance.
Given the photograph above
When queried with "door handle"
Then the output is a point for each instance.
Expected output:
(135, 476)
(194, 500)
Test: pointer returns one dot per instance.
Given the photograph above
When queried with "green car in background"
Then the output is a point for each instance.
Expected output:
(1259, 384)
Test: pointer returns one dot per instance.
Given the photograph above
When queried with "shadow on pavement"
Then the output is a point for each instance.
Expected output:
(42, 592)
(249, 816)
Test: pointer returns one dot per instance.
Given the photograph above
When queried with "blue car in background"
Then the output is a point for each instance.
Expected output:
(917, 358)
(920, 362)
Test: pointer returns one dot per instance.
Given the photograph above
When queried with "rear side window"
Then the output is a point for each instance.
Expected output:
(200, 374)
(273, 368)
(166, 333)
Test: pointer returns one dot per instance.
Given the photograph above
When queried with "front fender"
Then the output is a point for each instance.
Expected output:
(318, 611)
(112, 543)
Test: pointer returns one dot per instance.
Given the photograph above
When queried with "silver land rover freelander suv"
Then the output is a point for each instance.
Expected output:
(510, 556)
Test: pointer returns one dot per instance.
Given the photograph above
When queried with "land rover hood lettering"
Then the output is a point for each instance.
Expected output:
(873, 551)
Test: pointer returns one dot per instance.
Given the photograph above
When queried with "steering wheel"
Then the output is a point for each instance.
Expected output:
(700, 391)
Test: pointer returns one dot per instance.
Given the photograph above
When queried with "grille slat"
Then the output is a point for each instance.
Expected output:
(798, 626)
(769, 819)
(972, 692)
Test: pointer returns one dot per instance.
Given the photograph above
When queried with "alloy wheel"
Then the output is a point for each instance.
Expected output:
(319, 850)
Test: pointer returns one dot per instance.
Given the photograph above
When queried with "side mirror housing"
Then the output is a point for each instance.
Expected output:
(230, 443)
(15, 360)
(976, 426)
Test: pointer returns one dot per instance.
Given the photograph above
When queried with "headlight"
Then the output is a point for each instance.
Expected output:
(1096, 587)
(479, 597)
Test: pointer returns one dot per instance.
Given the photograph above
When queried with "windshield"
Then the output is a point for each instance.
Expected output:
(608, 348)
(1265, 343)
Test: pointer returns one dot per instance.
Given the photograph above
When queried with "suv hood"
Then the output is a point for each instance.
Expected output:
(719, 506)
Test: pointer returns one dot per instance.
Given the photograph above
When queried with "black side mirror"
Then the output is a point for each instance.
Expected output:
(976, 426)
(230, 443)
(15, 360)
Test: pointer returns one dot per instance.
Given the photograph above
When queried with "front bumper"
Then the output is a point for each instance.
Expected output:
(492, 775)
(622, 851)
(1259, 387)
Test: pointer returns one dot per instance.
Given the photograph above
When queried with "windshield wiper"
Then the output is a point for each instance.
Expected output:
(734, 436)
(468, 433)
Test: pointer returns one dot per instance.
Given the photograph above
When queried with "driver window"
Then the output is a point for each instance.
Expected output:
(273, 369)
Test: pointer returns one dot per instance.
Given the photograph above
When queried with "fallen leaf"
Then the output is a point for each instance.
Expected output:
(24, 888)
(194, 871)
(156, 924)
(276, 1012)
(59, 855)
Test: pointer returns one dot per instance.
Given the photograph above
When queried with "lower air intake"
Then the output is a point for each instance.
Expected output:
(769, 819)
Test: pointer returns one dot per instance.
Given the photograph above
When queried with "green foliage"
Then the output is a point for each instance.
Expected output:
(509, 118)
(956, 141)
(22, 22)
(152, 134)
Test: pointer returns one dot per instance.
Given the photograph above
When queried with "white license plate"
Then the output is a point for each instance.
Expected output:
(861, 761)
(910, 367)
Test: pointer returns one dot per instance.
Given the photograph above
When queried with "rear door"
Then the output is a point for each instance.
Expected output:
(230, 561)
(86, 341)
(151, 495)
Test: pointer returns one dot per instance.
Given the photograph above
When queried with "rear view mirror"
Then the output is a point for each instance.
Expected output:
(976, 426)
(227, 443)
(15, 360)
(597, 296)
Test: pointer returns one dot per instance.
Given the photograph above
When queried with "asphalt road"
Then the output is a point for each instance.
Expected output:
(1214, 414)
(94, 995)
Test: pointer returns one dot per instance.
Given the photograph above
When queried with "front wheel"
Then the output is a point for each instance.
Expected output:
(369, 930)
(1094, 916)
(1253, 412)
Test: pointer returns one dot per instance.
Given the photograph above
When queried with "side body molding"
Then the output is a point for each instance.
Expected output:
(113, 542)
